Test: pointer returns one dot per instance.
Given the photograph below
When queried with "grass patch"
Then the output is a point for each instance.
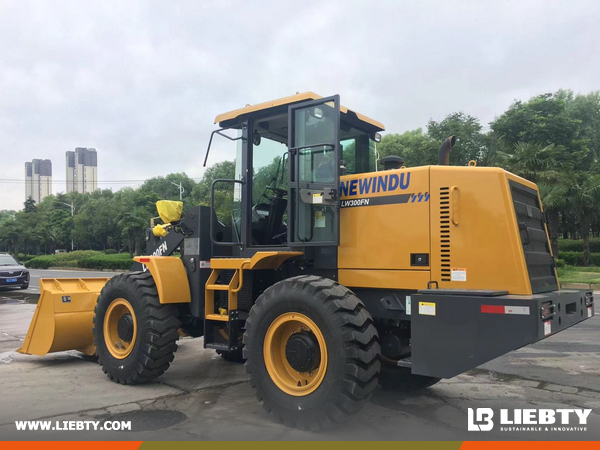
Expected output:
(571, 274)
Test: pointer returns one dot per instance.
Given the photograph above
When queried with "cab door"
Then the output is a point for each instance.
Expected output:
(314, 166)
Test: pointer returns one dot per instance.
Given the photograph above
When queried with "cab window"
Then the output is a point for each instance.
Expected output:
(269, 182)
(357, 150)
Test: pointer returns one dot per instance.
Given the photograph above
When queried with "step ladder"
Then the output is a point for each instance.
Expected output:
(214, 319)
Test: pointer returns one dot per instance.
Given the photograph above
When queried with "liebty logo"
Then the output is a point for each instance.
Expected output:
(484, 419)
(481, 419)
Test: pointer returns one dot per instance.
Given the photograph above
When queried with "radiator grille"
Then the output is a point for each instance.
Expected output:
(12, 274)
(445, 233)
(534, 239)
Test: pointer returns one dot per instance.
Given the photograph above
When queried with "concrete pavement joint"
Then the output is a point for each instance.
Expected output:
(154, 400)
(535, 384)
(84, 411)
(15, 337)
(6, 357)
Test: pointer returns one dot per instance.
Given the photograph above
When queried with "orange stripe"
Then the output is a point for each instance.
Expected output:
(71, 445)
(528, 445)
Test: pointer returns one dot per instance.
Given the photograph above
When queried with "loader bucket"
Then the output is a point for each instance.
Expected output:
(63, 319)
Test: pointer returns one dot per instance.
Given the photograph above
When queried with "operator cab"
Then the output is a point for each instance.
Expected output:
(290, 155)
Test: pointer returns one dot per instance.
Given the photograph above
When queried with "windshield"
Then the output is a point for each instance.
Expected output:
(268, 169)
(6, 260)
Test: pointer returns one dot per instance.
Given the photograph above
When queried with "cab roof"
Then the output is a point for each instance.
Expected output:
(299, 97)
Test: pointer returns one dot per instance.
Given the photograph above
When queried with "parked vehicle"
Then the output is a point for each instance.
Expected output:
(12, 274)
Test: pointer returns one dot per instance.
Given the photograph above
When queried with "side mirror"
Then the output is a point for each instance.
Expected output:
(256, 138)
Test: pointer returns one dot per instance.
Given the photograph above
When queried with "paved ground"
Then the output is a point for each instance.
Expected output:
(202, 397)
(36, 274)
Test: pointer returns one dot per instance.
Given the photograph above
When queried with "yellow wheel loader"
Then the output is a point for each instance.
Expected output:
(328, 270)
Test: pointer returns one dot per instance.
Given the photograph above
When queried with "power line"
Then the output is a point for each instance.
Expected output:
(20, 181)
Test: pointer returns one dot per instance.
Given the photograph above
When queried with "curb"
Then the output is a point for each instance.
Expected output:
(592, 286)
(79, 269)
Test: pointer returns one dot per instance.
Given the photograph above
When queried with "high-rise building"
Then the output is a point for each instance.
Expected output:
(38, 179)
(82, 170)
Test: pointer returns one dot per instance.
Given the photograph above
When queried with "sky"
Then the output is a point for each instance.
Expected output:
(143, 81)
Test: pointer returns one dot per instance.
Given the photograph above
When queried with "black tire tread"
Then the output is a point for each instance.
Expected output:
(158, 344)
(361, 349)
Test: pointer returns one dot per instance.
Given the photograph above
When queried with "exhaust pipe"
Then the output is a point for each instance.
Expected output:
(447, 146)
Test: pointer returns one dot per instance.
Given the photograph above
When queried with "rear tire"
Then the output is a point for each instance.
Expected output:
(400, 379)
(341, 326)
(147, 354)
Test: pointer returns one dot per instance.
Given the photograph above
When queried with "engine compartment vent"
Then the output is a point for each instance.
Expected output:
(445, 233)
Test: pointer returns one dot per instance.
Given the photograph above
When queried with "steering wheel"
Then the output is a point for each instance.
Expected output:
(278, 192)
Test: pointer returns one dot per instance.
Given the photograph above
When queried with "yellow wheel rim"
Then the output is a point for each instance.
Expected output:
(117, 347)
(281, 372)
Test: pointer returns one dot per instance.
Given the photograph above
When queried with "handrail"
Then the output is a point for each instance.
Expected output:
(212, 218)
(220, 134)
(453, 206)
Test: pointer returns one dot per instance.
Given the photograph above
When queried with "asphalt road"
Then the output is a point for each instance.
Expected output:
(202, 397)
(36, 274)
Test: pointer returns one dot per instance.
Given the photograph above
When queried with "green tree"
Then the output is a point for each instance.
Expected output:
(546, 166)
(584, 201)
(470, 141)
(415, 147)
(9, 236)
(167, 188)
(30, 205)
(132, 223)
(224, 192)
(545, 119)
(535, 162)
(554, 199)
(586, 110)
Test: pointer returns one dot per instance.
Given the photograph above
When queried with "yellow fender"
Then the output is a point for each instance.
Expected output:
(170, 277)
(64, 315)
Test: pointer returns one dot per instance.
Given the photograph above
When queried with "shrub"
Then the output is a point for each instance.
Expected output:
(576, 258)
(22, 257)
(71, 259)
(85, 259)
(41, 262)
(77, 255)
(560, 262)
(118, 256)
(576, 245)
(570, 245)
(110, 251)
(103, 262)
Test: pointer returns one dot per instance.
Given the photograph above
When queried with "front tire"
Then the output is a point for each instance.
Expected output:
(135, 335)
(312, 352)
